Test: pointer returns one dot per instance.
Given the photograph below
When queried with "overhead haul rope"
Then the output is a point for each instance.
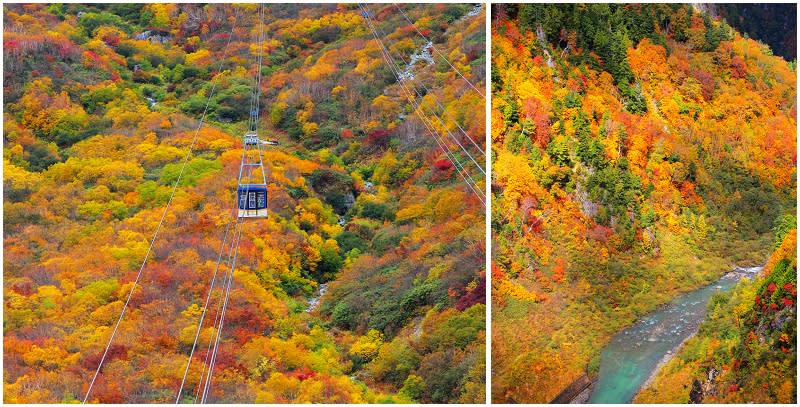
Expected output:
(425, 120)
(204, 385)
(216, 316)
(205, 307)
(222, 316)
(437, 51)
(219, 304)
(480, 149)
(436, 116)
(255, 100)
(163, 216)
(444, 110)
(234, 220)
(222, 308)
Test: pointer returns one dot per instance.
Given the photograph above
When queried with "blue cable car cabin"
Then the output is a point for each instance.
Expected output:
(252, 200)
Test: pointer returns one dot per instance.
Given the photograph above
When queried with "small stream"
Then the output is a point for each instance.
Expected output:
(635, 353)
(422, 54)
(425, 52)
(313, 302)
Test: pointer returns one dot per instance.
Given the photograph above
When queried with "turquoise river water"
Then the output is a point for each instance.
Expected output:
(634, 353)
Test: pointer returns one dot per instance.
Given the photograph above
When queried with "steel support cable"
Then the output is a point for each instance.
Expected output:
(260, 61)
(219, 303)
(227, 288)
(252, 102)
(439, 104)
(258, 90)
(161, 221)
(425, 121)
(438, 118)
(222, 316)
(464, 174)
(482, 151)
(418, 109)
(210, 339)
(437, 51)
(254, 115)
(444, 110)
(208, 298)
(220, 309)
(255, 104)
(203, 314)
(395, 71)
(216, 315)
(234, 253)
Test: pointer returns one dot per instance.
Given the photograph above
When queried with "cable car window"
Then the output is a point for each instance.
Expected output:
(262, 198)
(242, 199)
(252, 200)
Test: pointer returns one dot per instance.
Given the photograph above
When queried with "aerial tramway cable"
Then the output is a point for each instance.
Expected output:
(437, 51)
(471, 183)
(218, 314)
(444, 110)
(203, 314)
(388, 57)
(161, 221)
(222, 315)
(234, 220)
(438, 103)
(246, 167)
(221, 311)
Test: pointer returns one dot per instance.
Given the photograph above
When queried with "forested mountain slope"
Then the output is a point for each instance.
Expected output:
(101, 105)
(639, 151)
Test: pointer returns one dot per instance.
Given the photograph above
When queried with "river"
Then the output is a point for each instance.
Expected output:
(635, 353)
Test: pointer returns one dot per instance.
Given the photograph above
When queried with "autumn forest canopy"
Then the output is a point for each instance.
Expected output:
(365, 284)
(639, 152)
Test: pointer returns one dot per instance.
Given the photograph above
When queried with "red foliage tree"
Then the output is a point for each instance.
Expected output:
(707, 84)
(111, 39)
(443, 164)
(738, 67)
(476, 296)
(11, 45)
(24, 287)
(304, 373)
(600, 233)
(109, 392)
(533, 110)
(379, 138)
